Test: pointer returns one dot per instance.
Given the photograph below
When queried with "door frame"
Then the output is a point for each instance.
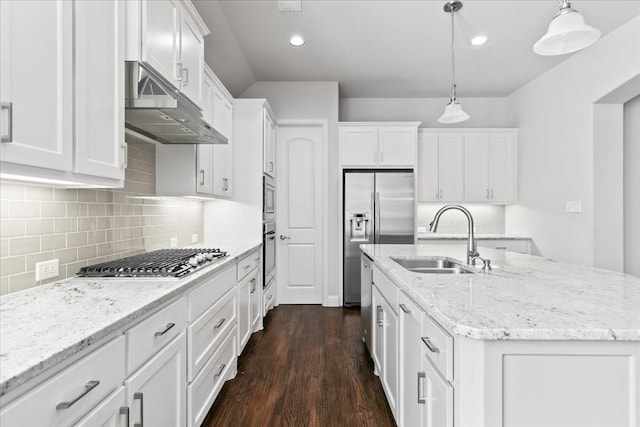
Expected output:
(324, 195)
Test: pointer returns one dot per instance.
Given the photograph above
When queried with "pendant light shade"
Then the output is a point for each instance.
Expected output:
(453, 112)
(567, 33)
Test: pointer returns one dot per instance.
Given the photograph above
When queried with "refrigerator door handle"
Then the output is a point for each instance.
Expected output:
(372, 232)
(376, 218)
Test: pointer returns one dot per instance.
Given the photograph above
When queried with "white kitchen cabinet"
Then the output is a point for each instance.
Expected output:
(438, 396)
(440, 167)
(269, 150)
(69, 395)
(222, 109)
(204, 168)
(244, 313)
(411, 401)
(378, 330)
(168, 36)
(268, 297)
(474, 165)
(156, 391)
(61, 75)
(377, 144)
(255, 298)
(490, 167)
(111, 412)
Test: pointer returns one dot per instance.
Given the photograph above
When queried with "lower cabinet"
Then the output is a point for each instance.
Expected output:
(249, 298)
(412, 400)
(436, 395)
(268, 297)
(111, 412)
(244, 313)
(156, 391)
(385, 344)
(255, 299)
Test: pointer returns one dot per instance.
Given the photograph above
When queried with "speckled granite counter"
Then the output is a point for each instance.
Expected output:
(43, 326)
(523, 297)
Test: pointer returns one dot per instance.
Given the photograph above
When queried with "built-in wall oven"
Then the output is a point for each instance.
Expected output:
(269, 255)
(268, 199)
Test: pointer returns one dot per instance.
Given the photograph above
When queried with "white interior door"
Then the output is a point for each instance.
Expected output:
(299, 214)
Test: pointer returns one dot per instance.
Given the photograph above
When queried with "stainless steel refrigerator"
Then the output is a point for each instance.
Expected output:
(378, 208)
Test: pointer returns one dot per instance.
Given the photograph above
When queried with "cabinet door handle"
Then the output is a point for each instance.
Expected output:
(220, 370)
(405, 309)
(179, 71)
(201, 177)
(421, 399)
(270, 166)
(441, 194)
(226, 184)
(432, 348)
(87, 388)
(253, 285)
(379, 313)
(381, 156)
(138, 396)
(185, 76)
(487, 193)
(125, 155)
(124, 410)
(166, 329)
(220, 323)
(492, 193)
(8, 137)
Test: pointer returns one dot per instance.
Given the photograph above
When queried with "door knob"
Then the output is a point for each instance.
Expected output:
(283, 237)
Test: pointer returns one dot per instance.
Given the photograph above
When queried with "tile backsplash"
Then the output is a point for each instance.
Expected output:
(488, 219)
(81, 227)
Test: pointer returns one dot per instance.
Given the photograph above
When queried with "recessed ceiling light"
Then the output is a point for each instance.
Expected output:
(479, 40)
(296, 41)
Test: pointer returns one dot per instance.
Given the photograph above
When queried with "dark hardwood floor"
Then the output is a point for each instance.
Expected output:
(309, 367)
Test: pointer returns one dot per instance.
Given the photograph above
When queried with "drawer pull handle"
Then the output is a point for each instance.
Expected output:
(421, 377)
(87, 388)
(138, 396)
(247, 266)
(432, 348)
(501, 247)
(220, 323)
(161, 333)
(379, 312)
(405, 309)
(220, 370)
(124, 410)
(257, 259)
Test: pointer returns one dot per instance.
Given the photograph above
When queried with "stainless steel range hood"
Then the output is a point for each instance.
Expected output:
(156, 110)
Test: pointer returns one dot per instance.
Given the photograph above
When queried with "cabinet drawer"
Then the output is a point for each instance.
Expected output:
(205, 388)
(438, 346)
(247, 264)
(207, 294)
(206, 333)
(149, 336)
(69, 395)
(387, 288)
(269, 297)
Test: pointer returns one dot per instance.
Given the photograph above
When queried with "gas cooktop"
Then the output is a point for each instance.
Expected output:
(160, 263)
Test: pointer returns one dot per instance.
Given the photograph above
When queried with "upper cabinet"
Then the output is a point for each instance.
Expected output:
(474, 165)
(62, 80)
(168, 36)
(222, 120)
(378, 144)
(269, 144)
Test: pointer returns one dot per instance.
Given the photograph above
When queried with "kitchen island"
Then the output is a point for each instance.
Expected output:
(531, 342)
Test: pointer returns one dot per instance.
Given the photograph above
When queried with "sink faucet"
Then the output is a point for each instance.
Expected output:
(472, 251)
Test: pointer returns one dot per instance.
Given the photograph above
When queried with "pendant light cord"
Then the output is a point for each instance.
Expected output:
(452, 89)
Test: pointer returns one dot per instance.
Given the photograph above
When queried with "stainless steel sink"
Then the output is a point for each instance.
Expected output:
(433, 265)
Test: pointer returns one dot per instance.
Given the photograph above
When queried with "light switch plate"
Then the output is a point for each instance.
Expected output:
(173, 242)
(574, 206)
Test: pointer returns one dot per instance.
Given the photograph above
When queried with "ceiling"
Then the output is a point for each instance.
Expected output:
(390, 48)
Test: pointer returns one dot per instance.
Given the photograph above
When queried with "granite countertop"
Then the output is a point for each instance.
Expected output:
(43, 326)
(445, 236)
(524, 297)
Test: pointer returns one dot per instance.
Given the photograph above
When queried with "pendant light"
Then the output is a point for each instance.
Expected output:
(453, 112)
(567, 33)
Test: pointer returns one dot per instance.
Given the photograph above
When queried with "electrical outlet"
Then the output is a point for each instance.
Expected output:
(173, 242)
(47, 269)
(194, 238)
(422, 229)
(574, 206)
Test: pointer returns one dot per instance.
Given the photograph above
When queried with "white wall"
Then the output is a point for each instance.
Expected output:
(554, 113)
(484, 112)
(312, 100)
(632, 186)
